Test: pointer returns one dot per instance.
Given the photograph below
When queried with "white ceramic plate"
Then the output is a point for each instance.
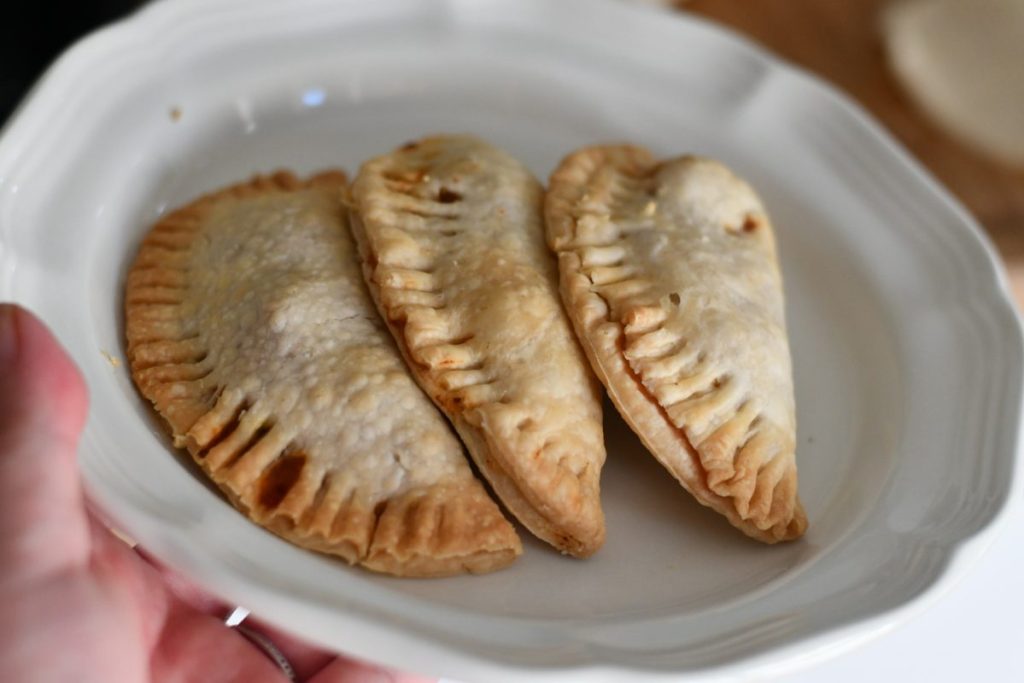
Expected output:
(907, 351)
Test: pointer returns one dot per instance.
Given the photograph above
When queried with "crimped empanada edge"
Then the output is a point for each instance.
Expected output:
(602, 341)
(579, 537)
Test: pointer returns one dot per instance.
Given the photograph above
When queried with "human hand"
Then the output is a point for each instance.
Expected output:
(76, 603)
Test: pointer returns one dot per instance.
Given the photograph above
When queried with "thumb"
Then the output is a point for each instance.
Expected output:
(43, 525)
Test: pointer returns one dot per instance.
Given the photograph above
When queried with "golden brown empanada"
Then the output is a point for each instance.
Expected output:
(250, 330)
(451, 236)
(669, 274)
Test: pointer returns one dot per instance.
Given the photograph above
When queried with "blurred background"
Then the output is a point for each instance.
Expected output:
(37, 32)
(946, 77)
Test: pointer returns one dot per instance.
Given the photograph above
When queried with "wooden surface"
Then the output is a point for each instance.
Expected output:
(841, 40)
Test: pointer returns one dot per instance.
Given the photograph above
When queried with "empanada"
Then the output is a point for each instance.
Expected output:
(668, 271)
(250, 330)
(451, 236)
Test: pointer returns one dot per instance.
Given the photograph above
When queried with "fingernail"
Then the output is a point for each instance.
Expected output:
(8, 334)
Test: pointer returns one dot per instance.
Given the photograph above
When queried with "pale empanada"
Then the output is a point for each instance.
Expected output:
(451, 236)
(250, 330)
(669, 274)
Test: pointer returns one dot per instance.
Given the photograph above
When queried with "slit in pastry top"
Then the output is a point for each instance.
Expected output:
(250, 330)
(669, 273)
(451, 237)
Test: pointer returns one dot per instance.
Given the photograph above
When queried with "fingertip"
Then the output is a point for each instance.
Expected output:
(40, 377)
(43, 525)
(346, 670)
(410, 678)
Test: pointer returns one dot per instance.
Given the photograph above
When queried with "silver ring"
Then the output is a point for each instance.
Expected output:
(235, 619)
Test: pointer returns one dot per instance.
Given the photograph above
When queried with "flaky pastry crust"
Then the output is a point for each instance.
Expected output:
(450, 233)
(669, 273)
(250, 330)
